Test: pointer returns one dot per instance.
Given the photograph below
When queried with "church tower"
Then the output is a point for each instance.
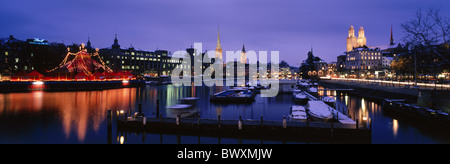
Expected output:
(116, 43)
(243, 55)
(218, 47)
(392, 38)
(361, 38)
(351, 39)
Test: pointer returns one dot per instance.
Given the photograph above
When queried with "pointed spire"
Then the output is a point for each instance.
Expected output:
(218, 39)
(218, 47)
(89, 43)
(116, 43)
(243, 48)
(392, 38)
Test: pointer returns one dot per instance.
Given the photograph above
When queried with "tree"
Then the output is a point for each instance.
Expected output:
(424, 33)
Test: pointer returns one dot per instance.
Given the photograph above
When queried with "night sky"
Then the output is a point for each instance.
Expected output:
(289, 26)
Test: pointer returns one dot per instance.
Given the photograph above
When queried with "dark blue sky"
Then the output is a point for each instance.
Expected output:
(288, 26)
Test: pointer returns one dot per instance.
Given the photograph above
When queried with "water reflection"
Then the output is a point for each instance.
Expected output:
(77, 111)
(79, 117)
(395, 127)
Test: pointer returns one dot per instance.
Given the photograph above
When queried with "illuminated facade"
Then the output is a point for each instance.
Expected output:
(364, 59)
(353, 41)
(138, 61)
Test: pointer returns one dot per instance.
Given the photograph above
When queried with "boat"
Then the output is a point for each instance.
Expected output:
(312, 90)
(300, 98)
(318, 110)
(298, 113)
(329, 100)
(237, 95)
(185, 108)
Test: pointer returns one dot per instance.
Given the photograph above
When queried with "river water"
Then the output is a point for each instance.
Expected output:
(81, 117)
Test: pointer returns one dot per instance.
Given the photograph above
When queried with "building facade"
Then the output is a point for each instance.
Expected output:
(155, 63)
(364, 59)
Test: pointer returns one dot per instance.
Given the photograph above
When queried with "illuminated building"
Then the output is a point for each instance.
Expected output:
(353, 41)
(138, 61)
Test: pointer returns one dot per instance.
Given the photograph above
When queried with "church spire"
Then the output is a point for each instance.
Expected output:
(89, 43)
(218, 47)
(392, 38)
(116, 43)
(243, 55)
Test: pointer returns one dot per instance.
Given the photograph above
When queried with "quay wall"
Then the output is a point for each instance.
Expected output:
(376, 93)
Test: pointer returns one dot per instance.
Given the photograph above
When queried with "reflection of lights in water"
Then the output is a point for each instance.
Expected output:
(121, 140)
(346, 100)
(364, 118)
(78, 112)
(395, 127)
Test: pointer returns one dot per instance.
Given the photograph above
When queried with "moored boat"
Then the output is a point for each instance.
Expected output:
(318, 110)
(185, 108)
(237, 95)
(329, 100)
(298, 113)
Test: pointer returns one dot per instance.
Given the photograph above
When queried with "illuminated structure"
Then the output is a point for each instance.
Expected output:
(243, 55)
(353, 41)
(82, 62)
(218, 47)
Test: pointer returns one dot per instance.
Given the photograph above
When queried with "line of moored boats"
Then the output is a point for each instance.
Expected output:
(308, 106)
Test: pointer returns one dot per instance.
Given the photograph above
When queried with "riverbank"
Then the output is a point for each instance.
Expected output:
(375, 92)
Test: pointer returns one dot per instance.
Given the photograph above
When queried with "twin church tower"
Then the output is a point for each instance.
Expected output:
(353, 41)
(360, 41)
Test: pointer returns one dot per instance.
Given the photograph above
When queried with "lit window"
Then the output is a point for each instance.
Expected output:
(6, 53)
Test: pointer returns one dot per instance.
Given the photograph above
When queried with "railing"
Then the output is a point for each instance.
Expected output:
(400, 84)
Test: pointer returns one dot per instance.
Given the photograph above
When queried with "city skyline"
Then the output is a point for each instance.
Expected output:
(291, 27)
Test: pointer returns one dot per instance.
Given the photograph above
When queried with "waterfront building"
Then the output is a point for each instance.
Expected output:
(28, 55)
(364, 58)
(138, 61)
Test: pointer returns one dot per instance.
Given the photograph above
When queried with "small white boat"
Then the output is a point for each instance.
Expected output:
(185, 103)
(319, 110)
(185, 108)
(312, 90)
(301, 99)
(298, 113)
(329, 100)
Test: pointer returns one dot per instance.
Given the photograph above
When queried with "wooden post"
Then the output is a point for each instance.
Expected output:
(357, 124)
(261, 121)
(140, 109)
(218, 121)
(284, 122)
(177, 120)
(240, 123)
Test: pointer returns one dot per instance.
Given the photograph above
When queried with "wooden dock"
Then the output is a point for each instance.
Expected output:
(330, 132)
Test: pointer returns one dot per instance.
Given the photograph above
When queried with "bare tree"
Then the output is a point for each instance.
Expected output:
(428, 30)
(424, 35)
